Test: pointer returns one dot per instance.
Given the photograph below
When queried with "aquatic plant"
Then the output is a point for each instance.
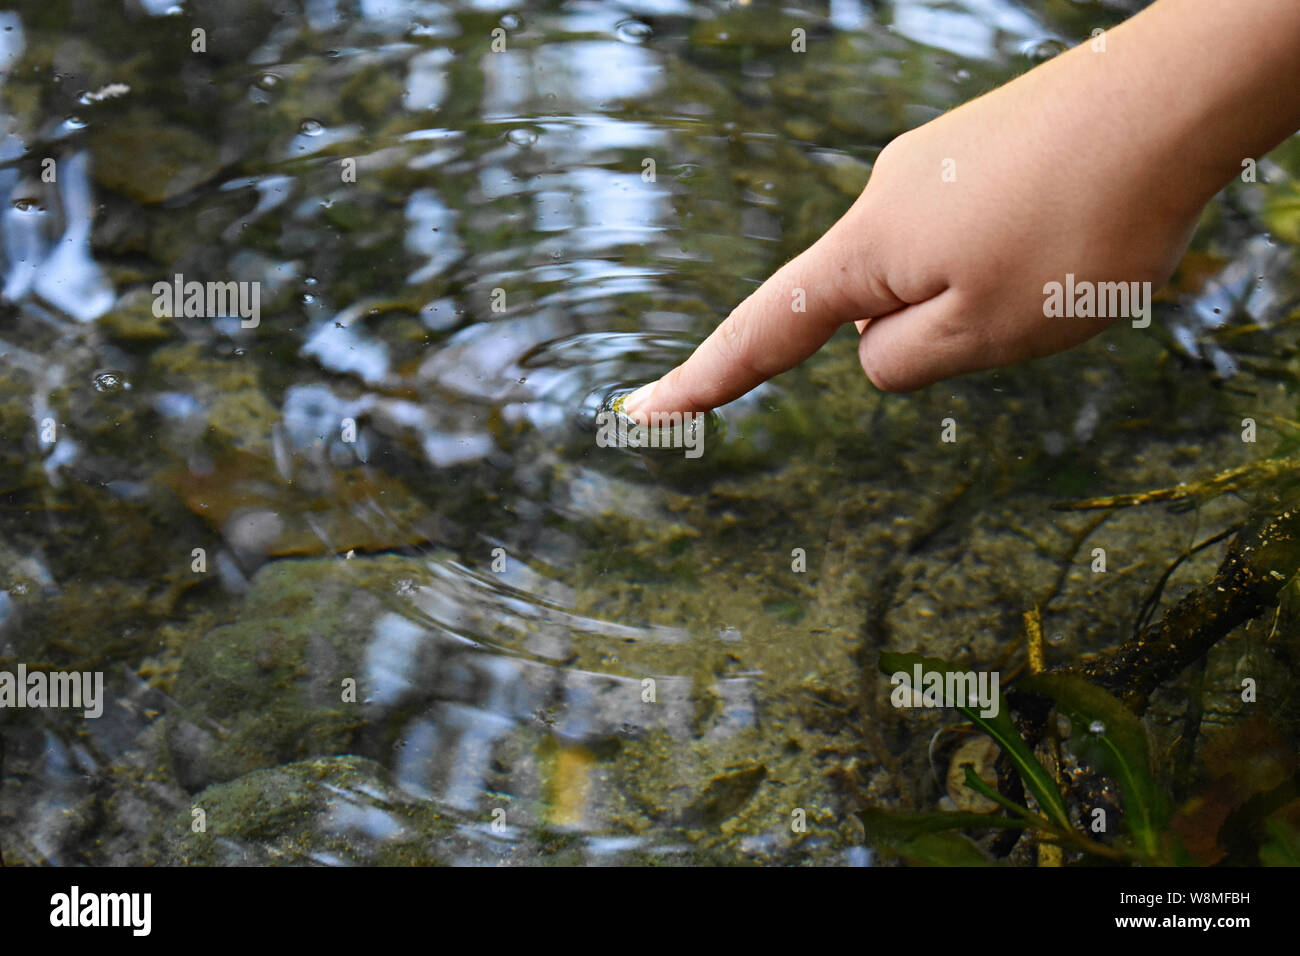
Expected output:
(1110, 740)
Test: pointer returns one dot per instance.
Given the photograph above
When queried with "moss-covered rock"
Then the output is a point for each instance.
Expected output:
(328, 811)
(269, 688)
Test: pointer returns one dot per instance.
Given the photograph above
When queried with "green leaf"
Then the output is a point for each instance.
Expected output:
(1027, 817)
(888, 827)
(1000, 728)
(1283, 849)
(927, 838)
(1118, 749)
(942, 849)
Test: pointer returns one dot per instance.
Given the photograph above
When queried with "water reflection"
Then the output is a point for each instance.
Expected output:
(464, 254)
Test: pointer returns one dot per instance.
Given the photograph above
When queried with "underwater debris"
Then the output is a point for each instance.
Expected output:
(1234, 479)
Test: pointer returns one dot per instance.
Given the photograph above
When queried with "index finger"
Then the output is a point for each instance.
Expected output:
(782, 323)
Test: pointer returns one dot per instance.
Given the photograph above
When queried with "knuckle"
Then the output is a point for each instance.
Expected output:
(893, 155)
(737, 341)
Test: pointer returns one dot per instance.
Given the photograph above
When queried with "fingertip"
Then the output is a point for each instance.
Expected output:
(636, 405)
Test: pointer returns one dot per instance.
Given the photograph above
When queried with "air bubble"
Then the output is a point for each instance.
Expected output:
(311, 127)
(109, 381)
(511, 22)
(633, 31)
(522, 136)
(268, 81)
(1041, 50)
(1097, 727)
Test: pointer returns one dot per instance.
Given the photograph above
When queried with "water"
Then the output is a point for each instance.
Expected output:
(352, 547)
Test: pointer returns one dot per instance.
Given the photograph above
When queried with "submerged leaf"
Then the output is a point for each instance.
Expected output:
(1000, 728)
(1283, 849)
(724, 797)
(890, 827)
(942, 849)
(1112, 739)
(928, 838)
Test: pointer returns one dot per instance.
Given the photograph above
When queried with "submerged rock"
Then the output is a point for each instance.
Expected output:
(270, 688)
(151, 162)
(330, 811)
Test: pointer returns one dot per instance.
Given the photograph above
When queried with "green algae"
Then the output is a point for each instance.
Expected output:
(269, 688)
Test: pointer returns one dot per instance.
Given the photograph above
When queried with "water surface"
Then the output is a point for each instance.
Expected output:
(361, 582)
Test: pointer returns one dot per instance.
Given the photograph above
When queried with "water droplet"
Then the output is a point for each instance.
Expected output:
(311, 127)
(1097, 727)
(522, 136)
(1057, 639)
(109, 381)
(962, 75)
(74, 122)
(633, 31)
(1045, 49)
(309, 280)
(511, 22)
(25, 205)
(268, 81)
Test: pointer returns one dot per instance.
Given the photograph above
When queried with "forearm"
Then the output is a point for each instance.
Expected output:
(1193, 86)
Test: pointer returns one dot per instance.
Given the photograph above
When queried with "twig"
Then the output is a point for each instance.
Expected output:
(1234, 479)
(1049, 854)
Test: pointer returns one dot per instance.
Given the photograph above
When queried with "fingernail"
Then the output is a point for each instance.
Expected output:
(633, 406)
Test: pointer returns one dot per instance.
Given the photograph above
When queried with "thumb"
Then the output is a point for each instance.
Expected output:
(925, 343)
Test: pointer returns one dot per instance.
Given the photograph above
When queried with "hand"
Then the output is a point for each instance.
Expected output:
(1095, 165)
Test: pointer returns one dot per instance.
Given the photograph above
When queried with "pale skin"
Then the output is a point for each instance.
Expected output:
(1096, 163)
